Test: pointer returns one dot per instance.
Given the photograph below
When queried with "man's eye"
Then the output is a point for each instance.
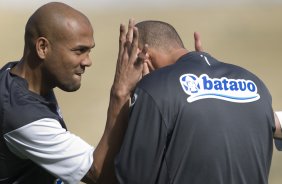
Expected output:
(80, 51)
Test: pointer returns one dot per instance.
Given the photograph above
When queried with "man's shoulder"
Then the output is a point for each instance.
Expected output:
(155, 79)
(20, 112)
(8, 66)
(19, 106)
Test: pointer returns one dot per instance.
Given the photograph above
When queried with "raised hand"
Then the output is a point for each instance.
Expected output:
(128, 68)
(198, 43)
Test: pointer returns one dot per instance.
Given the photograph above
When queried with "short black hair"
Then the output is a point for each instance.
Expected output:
(158, 34)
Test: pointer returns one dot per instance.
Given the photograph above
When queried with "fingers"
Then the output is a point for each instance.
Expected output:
(145, 50)
(150, 65)
(131, 43)
(198, 44)
(125, 38)
(121, 34)
(145, 70)
(143, 55)
(134, 45)
(129, 35)
(122, 39)
(145, 60)
(128, 69)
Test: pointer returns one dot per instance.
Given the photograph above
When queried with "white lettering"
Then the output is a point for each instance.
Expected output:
(233, 90)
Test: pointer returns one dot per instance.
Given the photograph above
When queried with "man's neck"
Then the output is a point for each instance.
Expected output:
(176, 54)
(32, 76)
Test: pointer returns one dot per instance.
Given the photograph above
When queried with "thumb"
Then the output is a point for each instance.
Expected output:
(198, 43)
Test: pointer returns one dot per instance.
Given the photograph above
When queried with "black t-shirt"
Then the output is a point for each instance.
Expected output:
(15, 113)
(35, 147)
(198, 121)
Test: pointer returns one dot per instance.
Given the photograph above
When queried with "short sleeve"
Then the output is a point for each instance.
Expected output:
(144, 143)
(46, 143)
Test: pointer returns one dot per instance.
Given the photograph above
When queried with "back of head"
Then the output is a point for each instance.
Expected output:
(159, 35)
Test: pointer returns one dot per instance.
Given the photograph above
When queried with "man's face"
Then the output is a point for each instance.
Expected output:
(69, 55)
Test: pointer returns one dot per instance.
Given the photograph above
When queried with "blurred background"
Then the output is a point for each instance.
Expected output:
(243, 32)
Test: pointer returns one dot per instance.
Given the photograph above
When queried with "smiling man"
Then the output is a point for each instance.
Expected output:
(35, 145)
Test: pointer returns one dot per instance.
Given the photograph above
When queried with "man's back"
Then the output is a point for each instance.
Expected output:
(198, 121)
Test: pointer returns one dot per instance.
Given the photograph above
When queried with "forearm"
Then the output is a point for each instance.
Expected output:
(102, 169)
(128, 72)
(117, 119)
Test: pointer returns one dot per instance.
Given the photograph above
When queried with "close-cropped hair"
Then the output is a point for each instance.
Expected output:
(158, 34)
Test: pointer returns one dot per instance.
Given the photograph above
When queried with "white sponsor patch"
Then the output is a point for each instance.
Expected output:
(233, 90)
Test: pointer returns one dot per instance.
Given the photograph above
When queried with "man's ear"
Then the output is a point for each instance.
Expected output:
(42, 46)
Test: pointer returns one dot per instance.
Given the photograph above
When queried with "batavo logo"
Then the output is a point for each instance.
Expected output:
(233, 90)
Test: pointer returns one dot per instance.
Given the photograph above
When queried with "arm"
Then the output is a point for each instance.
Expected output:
(278, 125)
(102, 167)
(128, 73)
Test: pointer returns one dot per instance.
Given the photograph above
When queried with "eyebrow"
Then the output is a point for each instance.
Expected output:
(82, 47)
